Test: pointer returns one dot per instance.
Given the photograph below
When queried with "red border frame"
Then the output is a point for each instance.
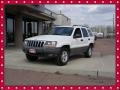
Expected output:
(113, 87)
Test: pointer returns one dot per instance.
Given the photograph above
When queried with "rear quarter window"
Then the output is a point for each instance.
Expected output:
(90, 32)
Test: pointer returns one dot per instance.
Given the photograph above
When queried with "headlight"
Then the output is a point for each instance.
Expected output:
(25, 42)
(50, 44)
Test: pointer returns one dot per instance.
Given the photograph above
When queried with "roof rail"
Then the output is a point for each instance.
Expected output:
(82, 25)
(77, 25)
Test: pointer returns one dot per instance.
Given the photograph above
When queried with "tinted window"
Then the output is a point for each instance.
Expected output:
(90, 33)
(65, 31)
(84, 31)
(77, 32)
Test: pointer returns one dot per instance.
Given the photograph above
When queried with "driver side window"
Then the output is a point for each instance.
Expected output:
(77, 33)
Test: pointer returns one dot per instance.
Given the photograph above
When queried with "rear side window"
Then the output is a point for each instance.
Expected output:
(84, 31)
(90, 32)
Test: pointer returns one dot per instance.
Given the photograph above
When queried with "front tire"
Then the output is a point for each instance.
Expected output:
(88, 53)
(63, 58)
(31, 58)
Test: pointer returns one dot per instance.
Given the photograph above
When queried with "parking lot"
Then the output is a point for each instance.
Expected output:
(100, 67)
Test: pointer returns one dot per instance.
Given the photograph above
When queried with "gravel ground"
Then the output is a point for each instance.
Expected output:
(104, 47)
(26, 77)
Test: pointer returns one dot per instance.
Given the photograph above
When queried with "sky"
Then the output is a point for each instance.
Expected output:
(86, 14)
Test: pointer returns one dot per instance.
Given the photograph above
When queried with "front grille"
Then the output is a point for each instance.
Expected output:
(35, 43)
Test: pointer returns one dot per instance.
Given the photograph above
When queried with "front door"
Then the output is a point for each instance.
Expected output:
(77, 42)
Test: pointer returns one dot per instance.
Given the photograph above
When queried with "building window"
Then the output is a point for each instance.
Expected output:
(10, 30)
(30, 29)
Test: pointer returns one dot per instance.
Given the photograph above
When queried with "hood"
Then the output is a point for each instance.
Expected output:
(48, 37)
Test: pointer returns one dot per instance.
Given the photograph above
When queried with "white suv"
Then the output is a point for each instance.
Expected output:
(61, 43)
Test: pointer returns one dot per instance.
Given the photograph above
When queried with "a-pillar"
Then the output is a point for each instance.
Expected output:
(18, 31)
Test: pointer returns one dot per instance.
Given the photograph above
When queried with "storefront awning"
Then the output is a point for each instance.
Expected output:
(29, 11)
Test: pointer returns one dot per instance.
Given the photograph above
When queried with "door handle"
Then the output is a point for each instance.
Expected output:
(88, 38)
(81, 40)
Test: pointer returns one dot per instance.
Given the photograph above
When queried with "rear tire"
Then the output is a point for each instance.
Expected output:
(31, 58)
(63, 58)
(88, 53)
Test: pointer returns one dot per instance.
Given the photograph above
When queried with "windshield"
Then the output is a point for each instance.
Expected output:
(65, 31)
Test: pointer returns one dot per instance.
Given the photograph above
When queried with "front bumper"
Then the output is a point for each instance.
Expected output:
(43, 51)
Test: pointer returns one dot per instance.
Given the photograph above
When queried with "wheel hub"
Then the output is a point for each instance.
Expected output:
(64, 56)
